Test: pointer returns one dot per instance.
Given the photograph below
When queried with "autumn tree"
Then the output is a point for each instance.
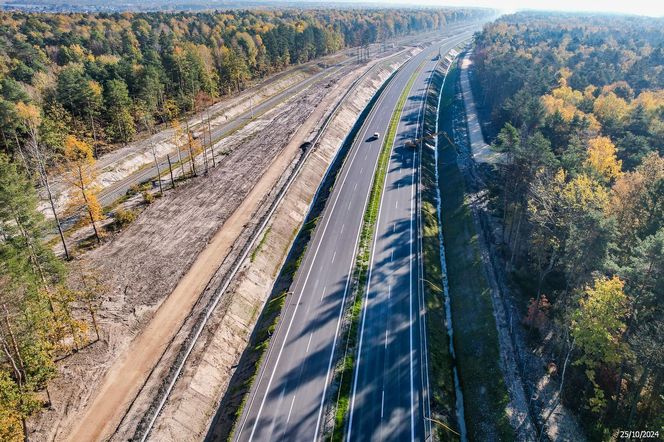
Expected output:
(31, 119)
(79, 168)
(612, 112)
(602, 159)
(233, 68)
(637, 203)
(89, 288)
(597, 327)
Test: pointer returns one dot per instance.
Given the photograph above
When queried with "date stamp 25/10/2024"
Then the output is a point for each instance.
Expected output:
(638, 434)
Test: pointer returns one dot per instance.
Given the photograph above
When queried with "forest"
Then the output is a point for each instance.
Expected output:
(99, 76)
(73, 86)
(576, 103)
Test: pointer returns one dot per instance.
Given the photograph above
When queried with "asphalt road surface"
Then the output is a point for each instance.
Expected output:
(287, 398)
(389, 398)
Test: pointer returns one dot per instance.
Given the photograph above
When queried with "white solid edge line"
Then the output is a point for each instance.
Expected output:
(410, 314)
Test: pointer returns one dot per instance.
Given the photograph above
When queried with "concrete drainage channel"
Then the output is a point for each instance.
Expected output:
(145, 426)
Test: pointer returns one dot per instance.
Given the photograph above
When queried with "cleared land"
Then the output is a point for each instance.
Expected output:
(144, 263)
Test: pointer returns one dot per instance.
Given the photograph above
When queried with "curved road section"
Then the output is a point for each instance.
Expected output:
(288, 397)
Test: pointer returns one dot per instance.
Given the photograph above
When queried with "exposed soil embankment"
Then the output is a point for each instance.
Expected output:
(206, 377)
(143, 264)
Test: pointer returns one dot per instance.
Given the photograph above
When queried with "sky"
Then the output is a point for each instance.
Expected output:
(653, 8)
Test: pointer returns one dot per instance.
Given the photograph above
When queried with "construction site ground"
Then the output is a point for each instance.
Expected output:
(160, 269)
(198, 391)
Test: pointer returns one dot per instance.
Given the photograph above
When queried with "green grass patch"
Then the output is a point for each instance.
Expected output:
(344, 372)
(475, 334)
(260, 245)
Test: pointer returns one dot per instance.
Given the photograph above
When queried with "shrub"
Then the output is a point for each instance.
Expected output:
(148, 197)
(124, 217)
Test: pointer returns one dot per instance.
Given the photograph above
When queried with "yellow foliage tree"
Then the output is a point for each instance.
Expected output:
(652, 101)
(566, 101)
(29, 113)
(602, 158)
(611, 110)
(79, 169)
(598, 326)
(633, 197)
(582, 193)
(12, 427)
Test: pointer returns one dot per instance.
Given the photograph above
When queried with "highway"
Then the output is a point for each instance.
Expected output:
(287, 399)
(389, 399)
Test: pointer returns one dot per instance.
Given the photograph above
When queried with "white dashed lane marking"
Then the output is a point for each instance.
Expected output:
(309, 343)
(291, 409)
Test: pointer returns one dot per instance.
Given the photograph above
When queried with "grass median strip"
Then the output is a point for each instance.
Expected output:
(344, 372)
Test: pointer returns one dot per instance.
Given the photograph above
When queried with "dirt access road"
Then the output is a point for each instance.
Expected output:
(129, 372)
(174, 231)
